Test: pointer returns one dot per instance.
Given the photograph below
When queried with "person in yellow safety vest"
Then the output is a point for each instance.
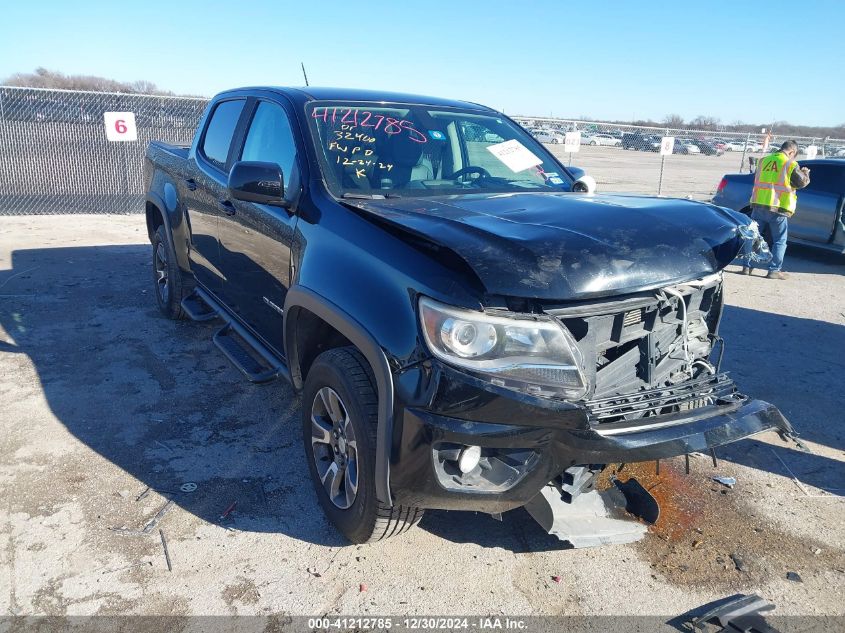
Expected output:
(773, 201)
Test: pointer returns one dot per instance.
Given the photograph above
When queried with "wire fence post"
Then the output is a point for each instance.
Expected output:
(744, 151)
(662, 165)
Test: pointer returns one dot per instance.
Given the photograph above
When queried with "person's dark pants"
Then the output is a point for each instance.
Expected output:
(777, 224)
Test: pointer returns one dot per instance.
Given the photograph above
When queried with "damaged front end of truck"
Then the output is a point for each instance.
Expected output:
(598, 344)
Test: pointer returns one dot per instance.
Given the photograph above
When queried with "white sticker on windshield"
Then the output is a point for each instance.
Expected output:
(514, 155)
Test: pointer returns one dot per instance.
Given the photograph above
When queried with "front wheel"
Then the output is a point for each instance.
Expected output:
(339, 422)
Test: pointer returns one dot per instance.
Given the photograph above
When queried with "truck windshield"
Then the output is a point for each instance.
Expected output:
(375, 149)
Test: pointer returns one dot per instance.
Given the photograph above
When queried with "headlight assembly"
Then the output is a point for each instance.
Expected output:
(535, 355)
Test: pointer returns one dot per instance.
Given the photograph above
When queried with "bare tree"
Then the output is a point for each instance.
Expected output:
(702, 122)
(44, 78)
(673, 120)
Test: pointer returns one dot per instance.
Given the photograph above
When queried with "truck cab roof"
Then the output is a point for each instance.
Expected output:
(318, 93)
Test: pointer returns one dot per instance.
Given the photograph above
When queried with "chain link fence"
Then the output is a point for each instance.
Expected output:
(55, 157)
(626, 158)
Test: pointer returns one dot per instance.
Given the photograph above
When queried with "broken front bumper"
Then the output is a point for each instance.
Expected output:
(527, 442)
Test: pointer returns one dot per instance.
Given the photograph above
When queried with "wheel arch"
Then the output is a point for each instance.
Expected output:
(305, 307)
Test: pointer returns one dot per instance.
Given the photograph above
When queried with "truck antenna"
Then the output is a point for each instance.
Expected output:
(303, 72)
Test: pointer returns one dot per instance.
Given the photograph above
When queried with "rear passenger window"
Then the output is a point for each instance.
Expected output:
(218, 134)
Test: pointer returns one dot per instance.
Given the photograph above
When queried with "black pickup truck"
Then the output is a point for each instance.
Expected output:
(466, 326)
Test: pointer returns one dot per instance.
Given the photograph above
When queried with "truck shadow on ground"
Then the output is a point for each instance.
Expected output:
(156, 399)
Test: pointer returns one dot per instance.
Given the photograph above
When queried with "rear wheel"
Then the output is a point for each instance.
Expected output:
(171, 284)
(339, 422)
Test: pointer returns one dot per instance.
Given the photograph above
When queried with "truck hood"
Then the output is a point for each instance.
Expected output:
(570, 245)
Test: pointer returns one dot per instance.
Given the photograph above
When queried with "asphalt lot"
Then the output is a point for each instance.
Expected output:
(104, 399)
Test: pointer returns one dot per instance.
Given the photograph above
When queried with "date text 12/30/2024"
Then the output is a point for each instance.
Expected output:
(425, 623)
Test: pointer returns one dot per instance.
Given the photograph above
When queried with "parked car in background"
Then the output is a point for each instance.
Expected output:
(602, 139)
(818, 219)
(548, 136)
(734, 145)
(707, 148)
(687, 146)
(640, 142)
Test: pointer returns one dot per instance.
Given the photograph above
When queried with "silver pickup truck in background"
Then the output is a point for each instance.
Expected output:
(818, 219)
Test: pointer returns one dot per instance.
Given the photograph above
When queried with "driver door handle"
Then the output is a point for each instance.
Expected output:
(227, 206)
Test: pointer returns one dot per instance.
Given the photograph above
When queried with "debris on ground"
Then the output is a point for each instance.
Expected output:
(149, 527)
(557, 579)
(730, 482)
(692, 509)
(362, 587)
(794, 576)
(228, 510)
(166, 551)
(738, 563)
(743, 613)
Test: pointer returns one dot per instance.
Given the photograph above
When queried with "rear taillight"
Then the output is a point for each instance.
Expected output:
(722, 185)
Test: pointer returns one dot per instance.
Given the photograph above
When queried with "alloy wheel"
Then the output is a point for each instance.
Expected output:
(334, 447)
(162, 284)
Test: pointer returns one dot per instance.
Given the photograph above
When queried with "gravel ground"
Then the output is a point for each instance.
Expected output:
(103, 400)
(616, 169)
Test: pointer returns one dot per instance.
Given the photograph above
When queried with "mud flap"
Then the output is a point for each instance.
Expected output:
(591, 519)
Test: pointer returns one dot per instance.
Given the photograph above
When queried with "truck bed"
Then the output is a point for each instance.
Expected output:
(180, 151)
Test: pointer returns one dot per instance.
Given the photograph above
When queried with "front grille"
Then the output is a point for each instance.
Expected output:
(632, 317)
(647, 354)
(694, 393)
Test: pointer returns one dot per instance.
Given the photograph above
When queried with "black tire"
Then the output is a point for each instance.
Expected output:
(175, 285)
(345, 371)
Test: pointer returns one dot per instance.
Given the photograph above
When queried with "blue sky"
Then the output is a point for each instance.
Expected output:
(613, 59)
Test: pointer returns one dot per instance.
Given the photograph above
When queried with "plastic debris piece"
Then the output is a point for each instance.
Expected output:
(557, 579)
(794, 576)
(313, 571)
(730, 482)
(743, 613)
(362, 587)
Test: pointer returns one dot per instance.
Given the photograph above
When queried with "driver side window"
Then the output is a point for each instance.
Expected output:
(270, 139)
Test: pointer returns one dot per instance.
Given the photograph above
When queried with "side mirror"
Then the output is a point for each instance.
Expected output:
(259, 182)
(584, 184)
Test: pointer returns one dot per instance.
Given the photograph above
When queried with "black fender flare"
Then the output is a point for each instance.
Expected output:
(299, 297)
(173, 226)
